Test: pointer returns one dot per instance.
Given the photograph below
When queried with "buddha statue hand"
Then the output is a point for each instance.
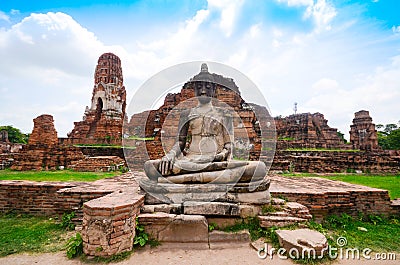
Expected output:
(167, 163)
(223, 155)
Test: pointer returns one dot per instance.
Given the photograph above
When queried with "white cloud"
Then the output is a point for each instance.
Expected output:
(321, 11)
(396, 29)
(297, 2)
(48, 62)
(229, 10)
(325, 84)
(4, 16)
(377, 92)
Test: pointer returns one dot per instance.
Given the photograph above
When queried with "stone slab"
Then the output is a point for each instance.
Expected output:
(279, 221)
(211, 208)
(303, 240)
(175, 228)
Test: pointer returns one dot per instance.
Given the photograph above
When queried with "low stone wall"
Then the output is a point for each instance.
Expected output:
(336, 161)
(109, 223)
(43, 198)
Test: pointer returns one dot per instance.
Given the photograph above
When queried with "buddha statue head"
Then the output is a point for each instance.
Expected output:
(204, 85)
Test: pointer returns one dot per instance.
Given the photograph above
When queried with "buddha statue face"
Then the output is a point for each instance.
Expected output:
(204, 91)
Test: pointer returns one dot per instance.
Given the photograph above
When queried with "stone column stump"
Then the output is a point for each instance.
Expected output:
(109, 223)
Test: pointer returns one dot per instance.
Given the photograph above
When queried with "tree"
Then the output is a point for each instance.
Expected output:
(15, 135)
(389, 138)
(390, 127)
(341, 136)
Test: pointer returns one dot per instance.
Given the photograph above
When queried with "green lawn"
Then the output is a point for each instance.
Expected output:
(59, 175)
(386, 182)
(21, 233)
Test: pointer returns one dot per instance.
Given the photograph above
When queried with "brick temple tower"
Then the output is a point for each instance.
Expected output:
(362, 132)
(102, 122)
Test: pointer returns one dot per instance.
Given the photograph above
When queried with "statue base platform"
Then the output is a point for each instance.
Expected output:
(255, 193)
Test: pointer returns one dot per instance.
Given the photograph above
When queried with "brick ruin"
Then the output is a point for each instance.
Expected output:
(306, 130)
(43, 151)
(363, 134)
(102, 122)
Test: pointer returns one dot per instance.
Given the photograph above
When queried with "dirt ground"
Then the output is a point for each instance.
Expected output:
(165, 255)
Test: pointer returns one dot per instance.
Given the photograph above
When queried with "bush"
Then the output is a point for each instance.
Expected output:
(75, 246)
(66, 221)
(141, 237)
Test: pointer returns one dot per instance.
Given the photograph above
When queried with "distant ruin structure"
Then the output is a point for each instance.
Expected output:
(43, 132)
(306, 130)
(102, 122)
(4, 136)
(43, 151)
(363, 134)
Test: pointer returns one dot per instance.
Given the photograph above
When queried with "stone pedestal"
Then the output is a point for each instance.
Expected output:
(245, 193)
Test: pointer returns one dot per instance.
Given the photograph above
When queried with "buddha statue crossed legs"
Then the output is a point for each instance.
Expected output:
(207, 156)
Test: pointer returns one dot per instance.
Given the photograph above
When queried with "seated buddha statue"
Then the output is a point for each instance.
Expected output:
(202, 152)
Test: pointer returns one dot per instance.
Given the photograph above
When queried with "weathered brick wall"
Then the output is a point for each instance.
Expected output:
(320, 162)
(43, 198)
(44, 157)
(351, 202)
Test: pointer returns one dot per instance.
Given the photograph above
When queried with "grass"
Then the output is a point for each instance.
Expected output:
(21, 233)
(59, 175)
(381, 233)
(386, 182)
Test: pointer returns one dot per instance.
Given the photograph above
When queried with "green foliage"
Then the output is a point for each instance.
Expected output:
(57, 175)
(141, 237)
(212, 226)
(280, 196)
(66, 221)
(389, 140)
(341, 136)
(22, 233)
(134, 137)
(15, 135)
(268, 209)
(286, 139)
(74, 246)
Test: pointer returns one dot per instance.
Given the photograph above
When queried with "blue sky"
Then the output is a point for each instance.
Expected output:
(331, 56)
